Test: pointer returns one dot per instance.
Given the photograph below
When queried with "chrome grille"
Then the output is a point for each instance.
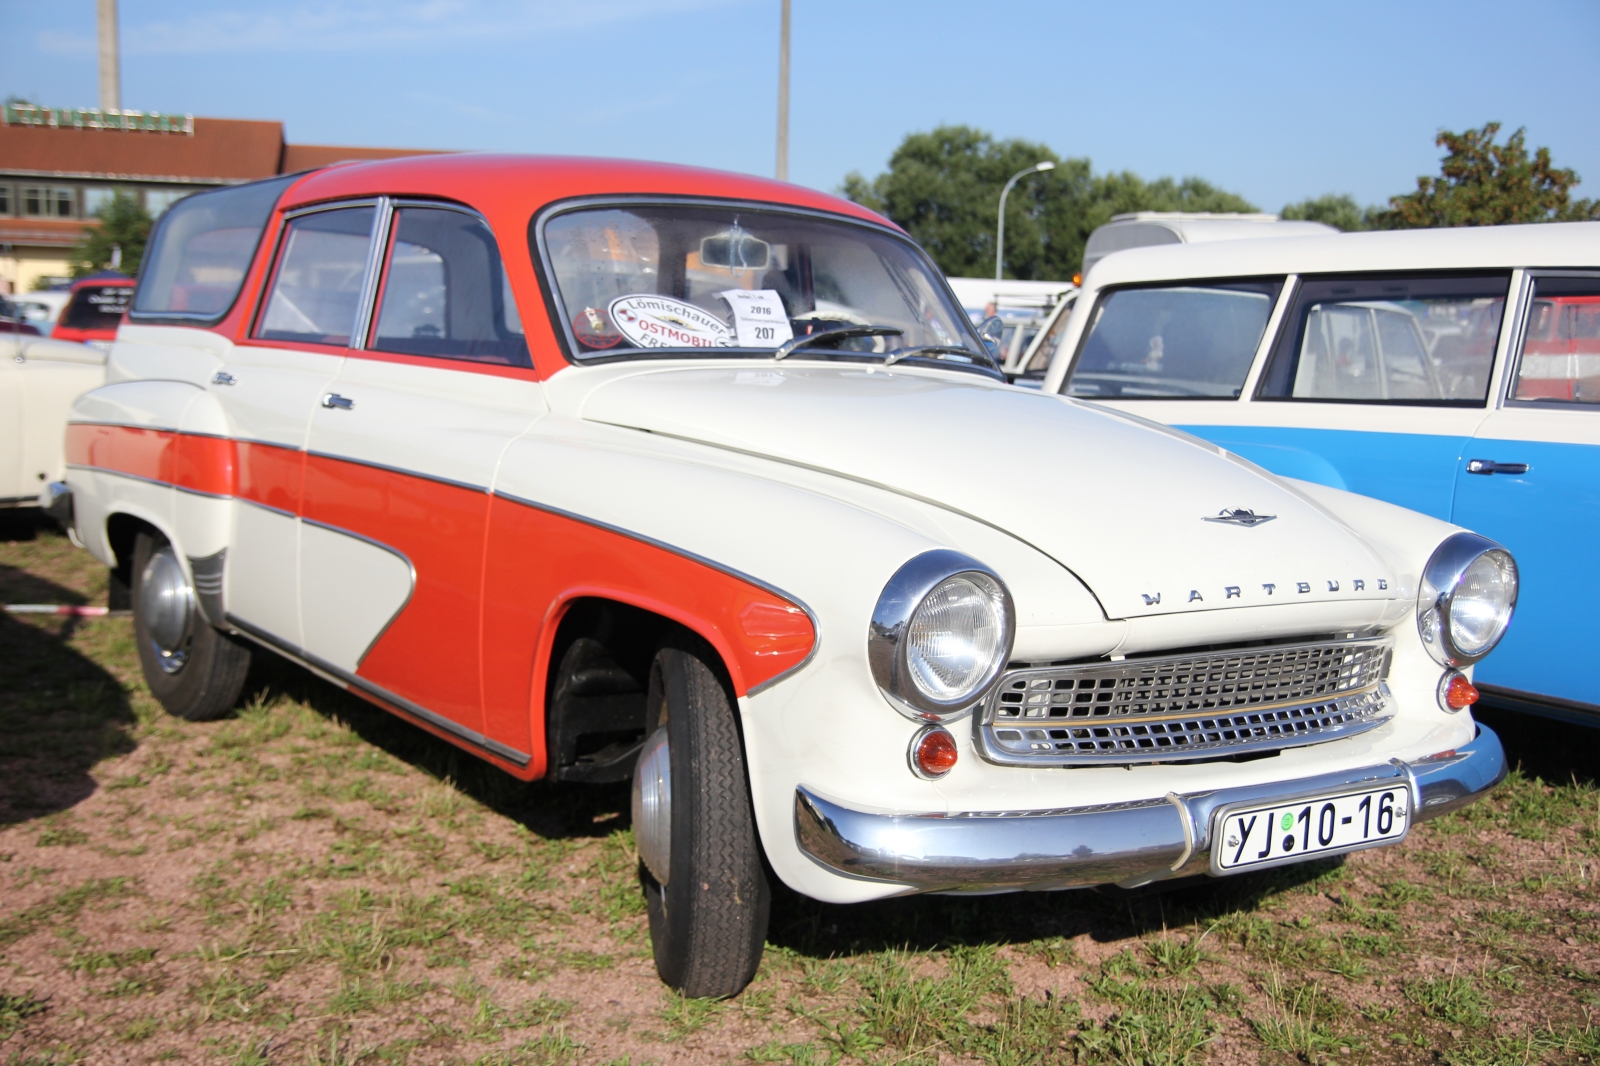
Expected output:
(1207, 705)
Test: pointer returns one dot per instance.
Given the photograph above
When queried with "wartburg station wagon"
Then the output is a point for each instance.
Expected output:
(610, 471)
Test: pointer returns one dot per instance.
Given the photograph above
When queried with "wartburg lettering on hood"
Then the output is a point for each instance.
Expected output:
(1133, 511)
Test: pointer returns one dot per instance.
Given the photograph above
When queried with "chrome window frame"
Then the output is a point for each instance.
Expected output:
(376, 250)
(556, 308)
(1506, 394)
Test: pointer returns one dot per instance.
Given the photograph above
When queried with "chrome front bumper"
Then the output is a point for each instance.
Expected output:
(1126, 844)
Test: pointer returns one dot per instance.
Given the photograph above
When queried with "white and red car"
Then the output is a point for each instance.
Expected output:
(605, 470)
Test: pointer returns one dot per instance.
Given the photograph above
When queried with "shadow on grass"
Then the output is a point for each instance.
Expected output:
(923, 923)
(549, 810)
(60, 712)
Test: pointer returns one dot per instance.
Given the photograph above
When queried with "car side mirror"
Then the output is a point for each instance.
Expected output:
(990, 331)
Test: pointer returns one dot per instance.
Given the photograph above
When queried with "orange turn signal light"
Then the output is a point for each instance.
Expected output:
(933, 753)
(1459, 693)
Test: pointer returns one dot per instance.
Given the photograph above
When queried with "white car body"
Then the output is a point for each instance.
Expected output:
(809, 480)
(39, 379)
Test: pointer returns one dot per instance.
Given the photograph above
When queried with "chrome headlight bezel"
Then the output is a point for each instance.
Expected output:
(1436, 597)
(897, 606)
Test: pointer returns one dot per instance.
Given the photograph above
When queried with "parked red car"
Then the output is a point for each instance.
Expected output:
(95, 309)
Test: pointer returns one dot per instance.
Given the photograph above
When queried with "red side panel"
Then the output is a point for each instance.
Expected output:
(538, 562)
(145, 453)
(204, 464)
(429, 653)
(270, 475)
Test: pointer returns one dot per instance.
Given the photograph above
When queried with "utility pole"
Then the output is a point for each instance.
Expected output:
(110, 58)
(783, 94)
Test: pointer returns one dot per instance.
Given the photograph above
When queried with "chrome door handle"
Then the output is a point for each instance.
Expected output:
(333, 399)
(1489, 466)
(222, 377)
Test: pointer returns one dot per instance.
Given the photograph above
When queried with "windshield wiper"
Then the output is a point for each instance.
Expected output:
(788, 347)
(938, 351)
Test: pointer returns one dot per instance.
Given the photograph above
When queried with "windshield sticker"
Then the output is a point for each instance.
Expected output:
(660, 322)
(593, 329)
(759, 317)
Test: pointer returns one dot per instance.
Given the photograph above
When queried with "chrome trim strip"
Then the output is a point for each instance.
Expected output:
(1128, 844)
(398, 554)
(415, 710)
(119, 473)
(816, 626)
(377, 251)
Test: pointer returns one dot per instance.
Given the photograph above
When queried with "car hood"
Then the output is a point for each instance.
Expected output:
(1129, 506)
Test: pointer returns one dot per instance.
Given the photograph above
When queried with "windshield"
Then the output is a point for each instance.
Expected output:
(1193, 341)
(733, 281)
(97, 307)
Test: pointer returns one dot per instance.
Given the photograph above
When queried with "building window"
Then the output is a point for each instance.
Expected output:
(156, 201)
(48, 203)
(6, 206)
(96, 198)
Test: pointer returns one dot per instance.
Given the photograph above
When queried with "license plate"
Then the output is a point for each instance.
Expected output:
(1271, 835)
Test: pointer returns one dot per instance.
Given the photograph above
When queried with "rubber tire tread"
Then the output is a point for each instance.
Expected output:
(708, 926)
(209, 684)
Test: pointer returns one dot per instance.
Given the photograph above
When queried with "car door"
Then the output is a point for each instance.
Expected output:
(268, 389)
(401, 455)
(1530, 479)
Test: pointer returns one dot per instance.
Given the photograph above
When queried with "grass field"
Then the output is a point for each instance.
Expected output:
(315, 882)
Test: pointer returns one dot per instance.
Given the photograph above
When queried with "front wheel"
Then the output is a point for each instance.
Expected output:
(704, 884)
(194, 670)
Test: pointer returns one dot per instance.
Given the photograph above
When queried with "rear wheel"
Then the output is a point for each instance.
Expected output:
(194, 670)
(704, 883)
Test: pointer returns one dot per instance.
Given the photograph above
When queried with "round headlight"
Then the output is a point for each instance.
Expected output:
(940, 635)
(1468, 594)
(955, 637)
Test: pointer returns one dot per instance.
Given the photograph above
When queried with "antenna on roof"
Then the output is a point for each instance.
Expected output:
(110, 58)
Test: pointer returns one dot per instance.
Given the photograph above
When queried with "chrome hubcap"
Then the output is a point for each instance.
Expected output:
(652, 805)
(166, 605)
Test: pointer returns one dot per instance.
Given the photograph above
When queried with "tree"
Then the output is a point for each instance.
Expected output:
(125, 226)
(1482, 183)
(1337, 210)
(943, 187)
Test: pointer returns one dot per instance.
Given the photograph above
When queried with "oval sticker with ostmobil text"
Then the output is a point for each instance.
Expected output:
(662, 322)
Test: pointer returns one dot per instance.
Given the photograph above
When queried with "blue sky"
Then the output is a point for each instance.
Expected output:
(1274, 101)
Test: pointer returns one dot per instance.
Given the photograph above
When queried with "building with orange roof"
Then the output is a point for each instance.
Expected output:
(58, 166)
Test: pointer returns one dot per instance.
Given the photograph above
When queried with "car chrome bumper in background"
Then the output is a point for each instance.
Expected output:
(1124, 843)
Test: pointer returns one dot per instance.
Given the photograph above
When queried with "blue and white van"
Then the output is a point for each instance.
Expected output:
(1455, 372)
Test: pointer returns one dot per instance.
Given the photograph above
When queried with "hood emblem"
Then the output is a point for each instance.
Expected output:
(1240, 517)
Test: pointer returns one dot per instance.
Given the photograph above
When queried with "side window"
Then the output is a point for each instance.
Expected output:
(1389, 340)
(1195, 340)
(445, 293)
(201, 249)
(321, 267)
(1561, 345)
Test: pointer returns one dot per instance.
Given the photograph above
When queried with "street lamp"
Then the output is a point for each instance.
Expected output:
(1000, 239)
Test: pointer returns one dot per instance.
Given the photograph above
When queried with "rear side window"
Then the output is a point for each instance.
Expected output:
(321, 270)
(201, 249)
(96, 307)
(1561, 345)
(1406, 340)
(445, 292)
(1190, 341)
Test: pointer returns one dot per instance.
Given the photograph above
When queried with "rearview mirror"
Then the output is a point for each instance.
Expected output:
(990, 331)
(735, 249)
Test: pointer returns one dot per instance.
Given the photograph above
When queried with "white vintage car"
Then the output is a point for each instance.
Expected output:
(39, 379)
(606, 470)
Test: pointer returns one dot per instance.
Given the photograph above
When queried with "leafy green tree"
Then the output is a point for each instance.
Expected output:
(944, 186)
(1482, 183)
(124, 225)
(1338, 210)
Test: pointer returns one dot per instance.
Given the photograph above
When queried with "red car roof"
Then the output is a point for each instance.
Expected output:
(511, 188)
